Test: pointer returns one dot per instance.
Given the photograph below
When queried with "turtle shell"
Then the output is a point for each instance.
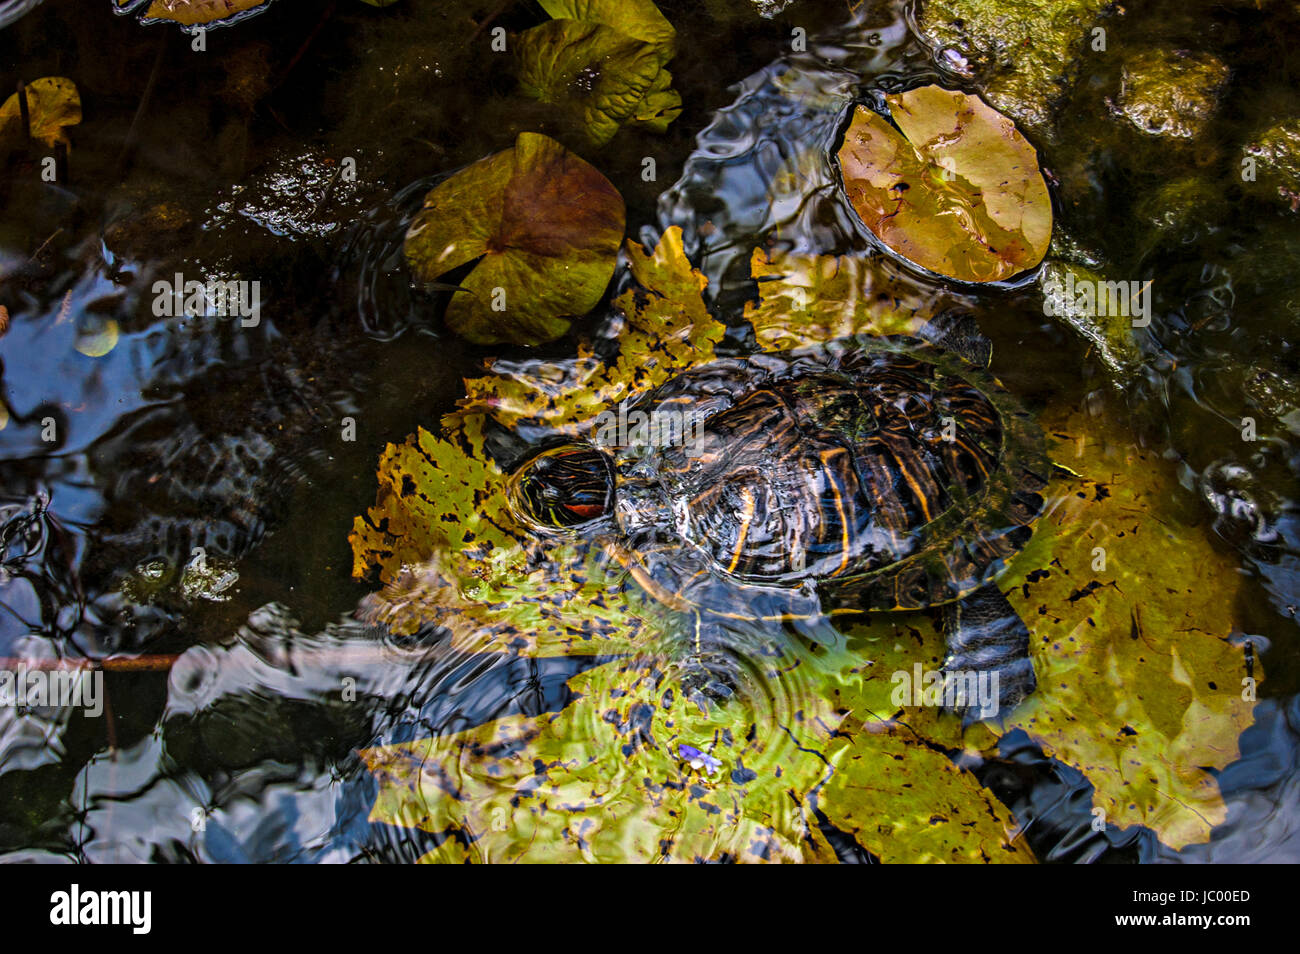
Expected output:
(885, 470)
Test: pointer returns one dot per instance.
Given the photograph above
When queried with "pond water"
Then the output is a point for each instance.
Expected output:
(175, 489)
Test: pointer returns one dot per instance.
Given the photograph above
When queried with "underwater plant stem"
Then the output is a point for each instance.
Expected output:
(24, 110)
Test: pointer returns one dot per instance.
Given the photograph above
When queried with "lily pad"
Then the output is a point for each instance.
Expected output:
(601, 76)
(952, 187)
(543, 228)
(639, 19)
(633, 771)
(193, 13)
(53, 105)
(603, 64)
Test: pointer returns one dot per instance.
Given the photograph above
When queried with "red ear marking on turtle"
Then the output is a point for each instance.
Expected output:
(586, 511)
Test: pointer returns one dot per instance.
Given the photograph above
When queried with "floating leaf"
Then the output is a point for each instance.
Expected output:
(805, 299)
(599, 74)
(194, 13)
(610, 778)
(639, 19)
(543, 228)
(603, 63)
(53, 104)
(954, 188)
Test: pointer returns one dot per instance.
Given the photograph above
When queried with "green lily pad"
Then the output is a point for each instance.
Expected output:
(596, 73)
(53, 105)
(639, 19)
(602, 63)
(661, 105)
(953, 187)
(543, 228)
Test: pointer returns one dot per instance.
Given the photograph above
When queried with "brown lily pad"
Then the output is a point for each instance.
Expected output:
(950, 185)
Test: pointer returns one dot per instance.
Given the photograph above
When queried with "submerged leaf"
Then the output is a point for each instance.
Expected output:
(445, 541)
(1139, 686)
(668, 330)
(543, 227)
(806, 299)
(954, 188)
(53, 104)
(612, 778)
(435, 495)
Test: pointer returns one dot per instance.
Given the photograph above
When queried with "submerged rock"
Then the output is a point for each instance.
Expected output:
(1027, 54)
(1070, 294)
(1275, 170)
(1171, 95)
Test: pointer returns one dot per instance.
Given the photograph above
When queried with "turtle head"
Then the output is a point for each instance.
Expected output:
(564, 487)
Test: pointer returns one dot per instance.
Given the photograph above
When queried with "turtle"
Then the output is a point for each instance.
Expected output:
(861, 474)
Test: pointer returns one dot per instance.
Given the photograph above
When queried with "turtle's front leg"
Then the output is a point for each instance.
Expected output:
(988, 671)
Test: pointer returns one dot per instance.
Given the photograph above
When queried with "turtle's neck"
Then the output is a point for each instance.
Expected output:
(641, 502)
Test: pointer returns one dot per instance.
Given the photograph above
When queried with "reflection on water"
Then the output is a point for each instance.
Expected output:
(184, 434)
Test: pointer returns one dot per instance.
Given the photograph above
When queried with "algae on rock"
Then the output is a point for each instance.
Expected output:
(1027, 54)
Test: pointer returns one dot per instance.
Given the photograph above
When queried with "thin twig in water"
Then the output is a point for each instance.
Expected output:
(45, 243)
(293, 61)
(128, 147)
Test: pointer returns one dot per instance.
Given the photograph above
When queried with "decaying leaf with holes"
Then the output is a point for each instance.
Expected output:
(667, 330)
(633, 771)
(1130, 611)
